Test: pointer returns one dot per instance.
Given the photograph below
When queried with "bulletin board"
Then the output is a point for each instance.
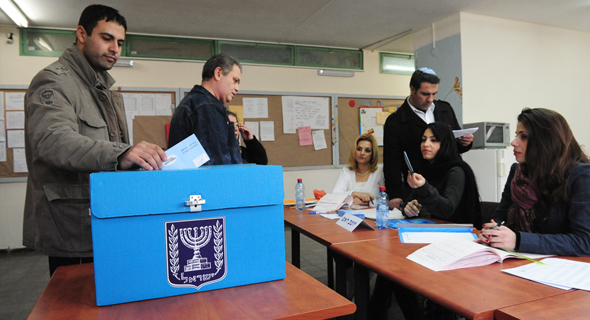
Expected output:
(7, 167)
(150, 128)
(285, 150)
(348, 121)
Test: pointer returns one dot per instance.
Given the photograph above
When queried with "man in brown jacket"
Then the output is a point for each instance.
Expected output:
(74, 125)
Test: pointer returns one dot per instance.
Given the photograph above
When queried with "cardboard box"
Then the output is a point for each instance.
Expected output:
(148, 244)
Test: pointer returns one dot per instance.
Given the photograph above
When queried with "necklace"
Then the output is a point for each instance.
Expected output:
(364, 174)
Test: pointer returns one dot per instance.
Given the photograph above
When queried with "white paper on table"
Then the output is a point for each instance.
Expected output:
(2, 151)
(15, 138)
(163, 104)
(561, 272)
(333, 201)
(19, 160)
(460, 133)
(267, 131)
(255, 108)
(371, 214)
(187, 154)
(319, 140)
(15, 120)
(147, 104)
(431, 237)
(15, 100)
(253, 126)
(288, 115)
(129, 116)
(331, 216)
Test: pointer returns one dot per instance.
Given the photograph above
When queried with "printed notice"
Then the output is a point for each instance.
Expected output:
(1, 104)
(253, 126)
(15, 138)
(187, 154)
(129, 117)
(15, 100)
(131, 104)
(15, 120)
(2, 151)
(267, 131)
(18, 157)
(2, 131)
(319, 140)
(255, 108)
(147, 104)
(164, 104)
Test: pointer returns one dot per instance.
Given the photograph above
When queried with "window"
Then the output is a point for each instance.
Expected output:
(168, 48)
(329, 58)
(397, 63)
(41, 42)
(258, 53)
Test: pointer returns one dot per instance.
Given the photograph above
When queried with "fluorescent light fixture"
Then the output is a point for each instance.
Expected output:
(42, 44)
(399, 68)
(124, 63)
(335, 73)
(14, 13)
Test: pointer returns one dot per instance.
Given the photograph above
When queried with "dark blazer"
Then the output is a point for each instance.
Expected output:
(403, 132)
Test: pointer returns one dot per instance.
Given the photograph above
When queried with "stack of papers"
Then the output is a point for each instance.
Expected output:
(456, 253)
(332, 202)
(428, 233)
(309, 202)
(559, 273)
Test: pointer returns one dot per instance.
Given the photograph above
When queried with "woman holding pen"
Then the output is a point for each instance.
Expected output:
(362, 177)
(446, 189)
(545, 206)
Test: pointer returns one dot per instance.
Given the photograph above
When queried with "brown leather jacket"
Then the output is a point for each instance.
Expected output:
(74, 125)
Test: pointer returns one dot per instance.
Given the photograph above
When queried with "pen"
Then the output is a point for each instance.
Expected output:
(319, 212)
(498, 225)
(371, 201)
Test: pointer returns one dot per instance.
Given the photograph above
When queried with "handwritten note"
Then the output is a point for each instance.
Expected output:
(305, 111)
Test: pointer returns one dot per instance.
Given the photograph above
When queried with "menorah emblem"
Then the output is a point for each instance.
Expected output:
(196, 242)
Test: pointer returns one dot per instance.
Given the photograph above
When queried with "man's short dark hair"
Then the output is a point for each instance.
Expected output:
(222, 60)
(418, 77)
(97, 12)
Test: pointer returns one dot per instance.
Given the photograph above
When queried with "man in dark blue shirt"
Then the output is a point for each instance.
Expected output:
(203, 113)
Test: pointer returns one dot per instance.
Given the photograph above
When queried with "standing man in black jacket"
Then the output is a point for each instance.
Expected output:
(403, 132)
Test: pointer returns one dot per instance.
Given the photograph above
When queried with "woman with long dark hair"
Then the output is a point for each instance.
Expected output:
(446, 189)
(545, 205)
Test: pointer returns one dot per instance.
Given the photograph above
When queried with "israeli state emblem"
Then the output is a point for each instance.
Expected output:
(195, 252)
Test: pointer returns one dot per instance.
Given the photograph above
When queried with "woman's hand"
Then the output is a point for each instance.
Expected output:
(415, 180)
(363, 198)
(412, 209)
(395, 203)
(501, 237)
(246, 133)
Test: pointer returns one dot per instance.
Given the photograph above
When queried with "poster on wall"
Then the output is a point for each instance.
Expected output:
(368, 122)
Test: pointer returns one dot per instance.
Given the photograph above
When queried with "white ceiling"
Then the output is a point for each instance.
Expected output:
(334, 23)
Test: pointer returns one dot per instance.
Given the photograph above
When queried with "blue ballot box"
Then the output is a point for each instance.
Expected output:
(165, 233)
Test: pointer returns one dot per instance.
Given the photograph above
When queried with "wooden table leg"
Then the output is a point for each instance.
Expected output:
(341, 266)
(330, 269)
(295, 248)
(361, 291)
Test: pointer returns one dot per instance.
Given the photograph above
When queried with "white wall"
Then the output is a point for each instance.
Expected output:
(509, 65)
(19, 70)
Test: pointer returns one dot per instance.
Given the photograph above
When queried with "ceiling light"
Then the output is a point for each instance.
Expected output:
(335, 73)
(14, 13)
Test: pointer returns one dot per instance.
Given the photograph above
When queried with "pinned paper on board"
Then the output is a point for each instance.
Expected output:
(319, 140)
(382, 117)
(15, 120)
(19, 161)
(267, 131)
(253, 126)
(15, 100)
(15, 138)
(368, 122)
(304, 136)
(255, 108)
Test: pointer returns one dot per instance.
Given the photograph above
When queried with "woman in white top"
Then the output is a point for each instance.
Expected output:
(362, 178)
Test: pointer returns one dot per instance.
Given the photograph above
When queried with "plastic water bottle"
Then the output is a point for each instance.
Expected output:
(382, 209)
(299, 195)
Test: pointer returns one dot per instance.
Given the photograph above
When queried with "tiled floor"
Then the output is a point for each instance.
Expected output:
(24, 275)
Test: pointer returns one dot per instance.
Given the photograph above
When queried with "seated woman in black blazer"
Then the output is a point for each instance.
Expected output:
(446, 190)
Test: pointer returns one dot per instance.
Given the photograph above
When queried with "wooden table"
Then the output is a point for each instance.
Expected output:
(472, 292)
(571, 305)
(70, 294)
(326, 232)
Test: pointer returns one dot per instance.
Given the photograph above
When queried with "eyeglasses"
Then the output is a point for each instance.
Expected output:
(367, 150)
